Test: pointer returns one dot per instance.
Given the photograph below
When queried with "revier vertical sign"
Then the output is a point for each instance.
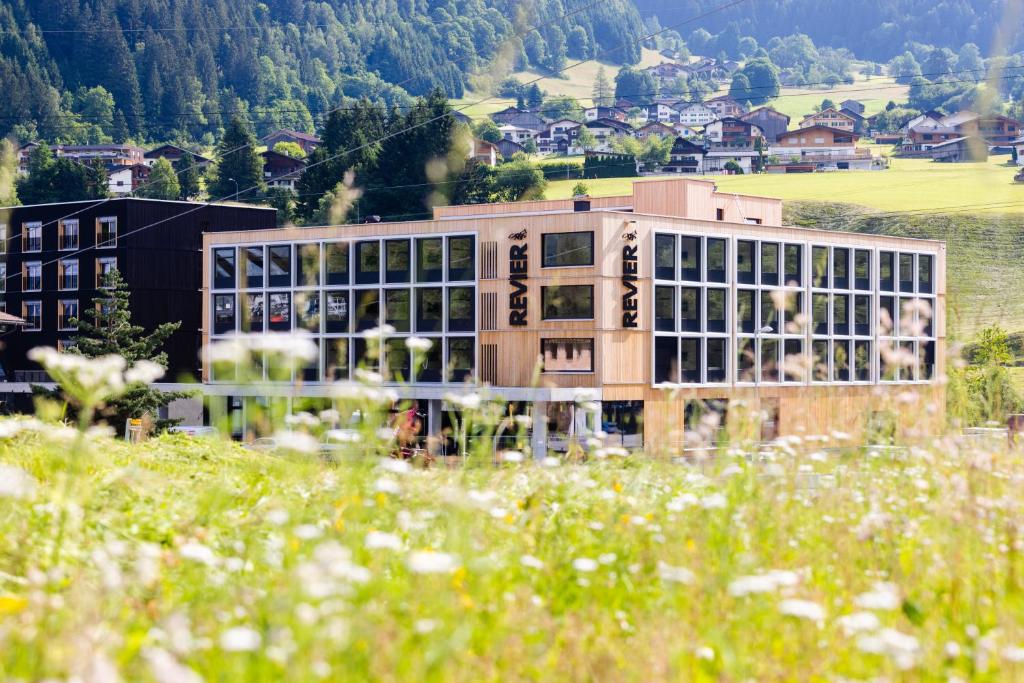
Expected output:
(518, 268)
(630, 303)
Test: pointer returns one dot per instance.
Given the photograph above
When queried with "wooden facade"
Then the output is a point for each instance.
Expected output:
(622, 275)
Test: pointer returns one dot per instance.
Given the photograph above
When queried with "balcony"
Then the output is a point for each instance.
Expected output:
(106, 239)
(68, 242)
(32, 244)
(69, 281)
(31, 283)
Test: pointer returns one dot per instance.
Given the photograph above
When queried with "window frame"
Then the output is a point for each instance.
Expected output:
(588, 371)
(544, 248)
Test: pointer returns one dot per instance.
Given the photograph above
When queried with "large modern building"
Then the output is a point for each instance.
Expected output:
(55, 256)
(659, 304)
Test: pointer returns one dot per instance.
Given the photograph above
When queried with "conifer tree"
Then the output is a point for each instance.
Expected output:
(239, 163)
(189, 176)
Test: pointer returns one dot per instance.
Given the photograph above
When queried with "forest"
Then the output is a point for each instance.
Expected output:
(153, 70)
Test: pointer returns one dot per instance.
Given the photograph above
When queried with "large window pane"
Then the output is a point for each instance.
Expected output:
(665, 257)
(819, 266)
(862, 269)
(460, 358)
(366, 355)
(689, 309)
(568, 302)
(307, 267)
(794, 265)
(841, 360)
(664, 309)
(429, 309)
(769, 263)
(224, 268)
(336, 259)
(429, 259)
(819, 314)
(794, 363)
(819, 361)
(461, 262)
(367, 309)
(745, 308)
(280, 274)
(223, 313)
(906, 272)
(745, 359)
(717, 258)
(927, 360)
(336, 367)
(252, 314)
(745, 266)
(769, 360)
(397, 261)
(924, 273)
(397, 360)
(840, 268)
(862, 361)
(666, 360)
(770, 315)
(429, 364)
(367, 263)
(253, 267)
(336, 305)
(563, 249)
(886, 271)
(717, 350)
(840, 314)
(862, 315)
(307, 311)
(716, 308)
(887, 315)
(689, 360)
(461, 316)
(689, 258)
(795, 322)
(397, 309)
(280, 313)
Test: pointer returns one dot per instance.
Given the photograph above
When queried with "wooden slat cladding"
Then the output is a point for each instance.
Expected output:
(489, 363)
(489, 311)
(489, 261)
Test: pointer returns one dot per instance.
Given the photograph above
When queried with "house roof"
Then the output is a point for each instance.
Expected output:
(8, 319)
(298, 135)
(657, 124)
(684, 146)
(818, 126)
(158, 152)
(271, 154)
(825, 110)
(955, 141)
(609, 123)
(852, 114)
(958, 118)
(722, 98)
(769, 110)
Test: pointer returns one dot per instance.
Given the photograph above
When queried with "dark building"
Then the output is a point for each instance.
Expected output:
(772, 123)
(56, 255)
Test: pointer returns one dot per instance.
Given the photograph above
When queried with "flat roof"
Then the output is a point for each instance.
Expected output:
(105, 200)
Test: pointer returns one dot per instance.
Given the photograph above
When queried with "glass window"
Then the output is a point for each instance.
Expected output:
(819, 361)
(106, 233)
(68, 235)
(716, 308)
(252, 314)
(926, 360)
(769, 263)
(69, 274)
(794, 322)
(888, 369)
(906, 272)
(819, 314)
(398, 360)
(567, 249)
(887, 315)
(622, 417)
(363, 356)
(307, 311)
(397, 261)
(67, 314)
(461, 262)
(280, 314)
(430, 363)
(717, 350)
(280, 274)
(252, 258)
(745, 257)
(840, 268)
(666, 360)
(665, 309)
(819, 266)
(862, 269)
(367, 263)
(367, 309)
(223, 268)
(689, 309)
(336, 262)
(336, 367)
(567, 302)
(745, 310)
(840, 314)
(397, 312)
(717, 258)
(745, 359)
(862, 361)
(769, 360)
(461, 311)
(567, 355)
(310, 370)
(32, 313)
(908, 374)
(793, 361)
(223, 313)
(924, 273)
(336, 305)
(429, 309)
(32, 237)
(841, 361)
(32, 277)
(461, 354)
(689, 360)
(429, 259)
(794, 267)
(908, 317)
(665, 257)
(103, 268)
(689, 258)
(307, 266)
(862, 315)
(770, 315)
(886, 269)
(3, 281)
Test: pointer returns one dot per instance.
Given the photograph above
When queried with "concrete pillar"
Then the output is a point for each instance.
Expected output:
(539, 430)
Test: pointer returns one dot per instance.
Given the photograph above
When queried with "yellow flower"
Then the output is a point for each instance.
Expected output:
(12, 604)
(617, 486)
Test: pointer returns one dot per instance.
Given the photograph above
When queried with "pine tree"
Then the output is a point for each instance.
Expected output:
(603, 91)
(240, 170)
(163, 182)
(189, 176)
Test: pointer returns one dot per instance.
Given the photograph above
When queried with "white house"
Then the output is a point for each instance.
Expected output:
(515, 133)
(696, 114)
(661, 112)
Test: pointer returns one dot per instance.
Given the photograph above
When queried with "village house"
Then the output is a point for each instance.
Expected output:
(926, 134)
(730, 139)
(604, 131)
(660, 112)
(123, 180)
(724, 106)
(654, 128)
(831, 118)
(517, 134)
(771, 122)
(509, 148)
(519, 118)
(967, 149)
(826, 148)
(595, 113)
(696, 114)
(997, 130)
(1018, 146)
(685, 157)
(110, 155)
(281, 170)
(685, 131)
(173, 154)
(307, 142)
(483, 152)
(666, 71)
(853, 105)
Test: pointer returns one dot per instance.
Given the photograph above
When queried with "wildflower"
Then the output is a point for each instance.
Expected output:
(197, 552)
(144, 372)
(763, 583)
(1013, 654)
(343, 435)
(900, 647)
(379, 332)
(464, 401)
(607, 558)
(858, 622)
(424, 626)
(671, 574)
(167, 669)
(715, 501)
(277, 517)
(706, 653)
(883, 596)
(584, 564)
(802, 609)
(240, 639)
(376, 540)
(550, 461)
(301, 419)
(368, 376)
(511, 456)
(385, 485)
(307, 532)
(531, 562)
(298, 442)
(418, 344)
(16, 482)
(429, 562)
(395, 466)
(330, 416)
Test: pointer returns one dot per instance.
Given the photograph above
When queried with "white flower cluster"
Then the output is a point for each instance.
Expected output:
(284, 348)
(94, 380)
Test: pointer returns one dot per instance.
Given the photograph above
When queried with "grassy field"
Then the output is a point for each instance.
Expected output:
(909, 185)
(874, 93)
